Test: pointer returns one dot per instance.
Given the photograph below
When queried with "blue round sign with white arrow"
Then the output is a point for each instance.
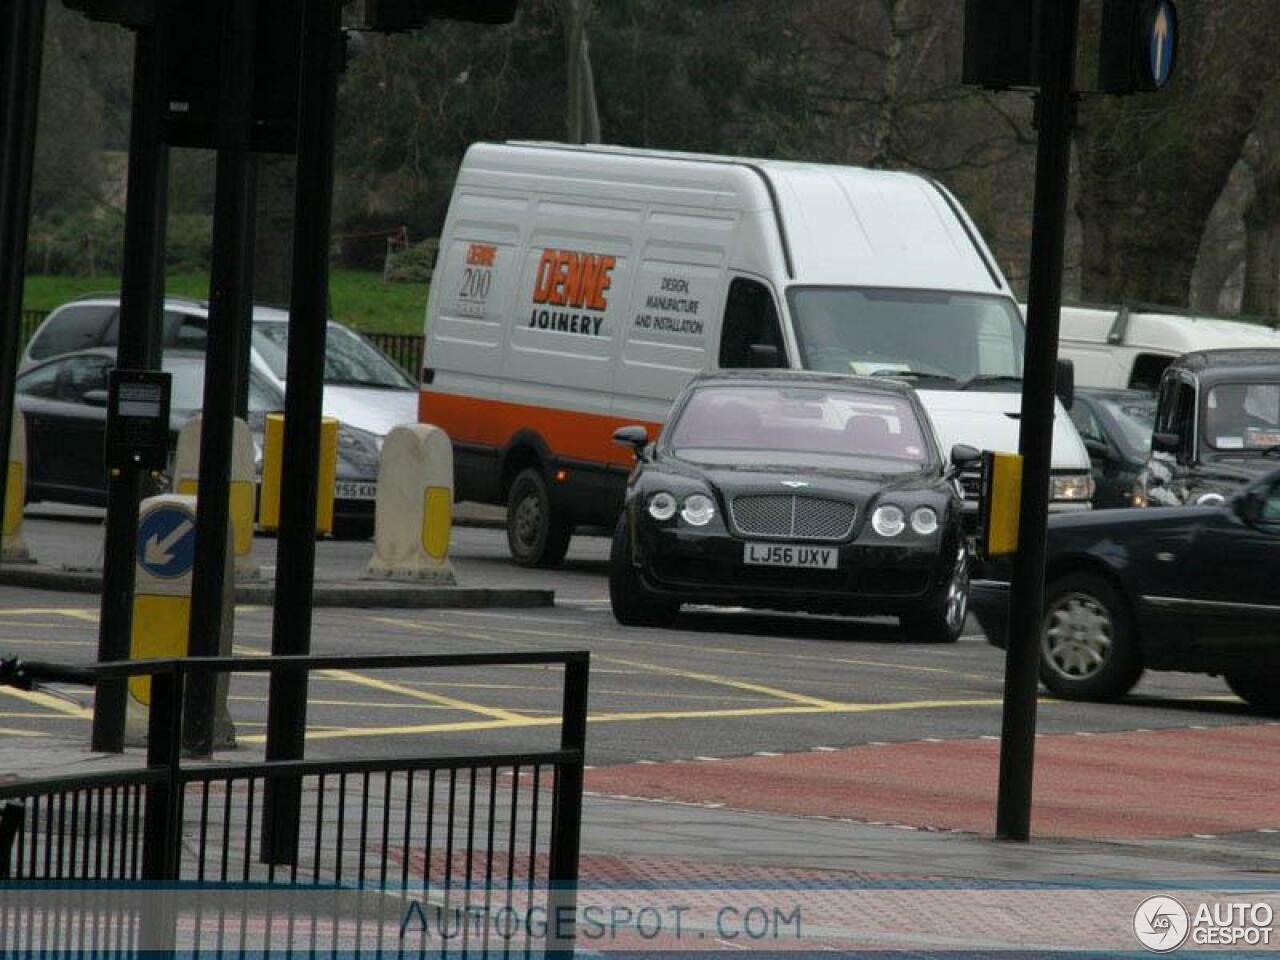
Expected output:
(1162, 42)
(167, 542)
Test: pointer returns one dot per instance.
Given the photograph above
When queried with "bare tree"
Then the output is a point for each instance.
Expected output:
(583, 111)
(1153, 166)
(1262, 215)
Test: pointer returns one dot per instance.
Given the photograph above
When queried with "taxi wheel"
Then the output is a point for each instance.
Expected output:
(535, 535)
(1087, 649)
(1260, 690)
(633, 605)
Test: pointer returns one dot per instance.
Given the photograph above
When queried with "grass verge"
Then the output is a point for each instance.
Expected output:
(360, 298)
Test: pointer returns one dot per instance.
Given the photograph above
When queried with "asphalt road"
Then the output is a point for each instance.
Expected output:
(720, 684)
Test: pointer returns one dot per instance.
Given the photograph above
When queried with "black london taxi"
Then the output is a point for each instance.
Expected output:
(1217, 427)
(796, 492)
(1192, 590)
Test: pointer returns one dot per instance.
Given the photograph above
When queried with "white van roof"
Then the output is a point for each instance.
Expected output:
(836, 224)
(1160, 332)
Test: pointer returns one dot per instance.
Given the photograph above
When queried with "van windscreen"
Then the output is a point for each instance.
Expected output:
(917, 335)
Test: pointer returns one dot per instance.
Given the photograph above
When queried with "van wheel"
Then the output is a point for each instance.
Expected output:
(633, 605)
(535, 536)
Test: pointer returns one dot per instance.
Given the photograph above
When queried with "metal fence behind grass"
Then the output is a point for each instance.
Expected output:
(27, 328)
(406, 349)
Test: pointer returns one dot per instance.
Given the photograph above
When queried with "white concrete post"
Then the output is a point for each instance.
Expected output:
(414, 512)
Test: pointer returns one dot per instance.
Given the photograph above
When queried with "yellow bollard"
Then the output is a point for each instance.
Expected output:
(14, 546)
(414, 514)
(272, 459)
(242, 491)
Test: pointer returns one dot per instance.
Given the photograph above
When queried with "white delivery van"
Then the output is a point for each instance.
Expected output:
(577, 290)
(1129, 346)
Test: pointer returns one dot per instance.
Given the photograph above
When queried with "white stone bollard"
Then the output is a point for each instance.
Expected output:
(414, 512)
(14, 545)
(244, 479)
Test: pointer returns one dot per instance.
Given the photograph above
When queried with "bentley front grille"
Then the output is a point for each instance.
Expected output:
(783, 516)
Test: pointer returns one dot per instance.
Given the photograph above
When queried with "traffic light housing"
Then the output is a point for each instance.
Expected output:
(1002, 43)
(193, 70)
(1138, 45)
(396, 16)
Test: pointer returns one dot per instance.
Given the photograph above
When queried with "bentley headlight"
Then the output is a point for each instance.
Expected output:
(924, 521)
(662, 506)
(888, 521)
(698, 510)
(1075, 486)
(1211, 499)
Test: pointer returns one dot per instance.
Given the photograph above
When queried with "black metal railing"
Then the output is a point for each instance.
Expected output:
(27, 328)
(450, 823)
(406, 349)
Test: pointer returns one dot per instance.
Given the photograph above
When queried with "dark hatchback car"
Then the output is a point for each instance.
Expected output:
(64, 402)
(1126, 590)
(1217, 426)
(1115, 426)
(793, 492)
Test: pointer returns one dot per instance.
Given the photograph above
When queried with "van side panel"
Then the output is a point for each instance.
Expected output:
(604, 289)
(476, 272)
(674, 318)
(571, 306)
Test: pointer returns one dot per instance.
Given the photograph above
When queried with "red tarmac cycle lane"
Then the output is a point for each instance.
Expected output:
(1164, 783)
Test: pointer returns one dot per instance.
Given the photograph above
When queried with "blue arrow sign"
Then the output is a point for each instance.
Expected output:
(1162, 43)
(167, 542)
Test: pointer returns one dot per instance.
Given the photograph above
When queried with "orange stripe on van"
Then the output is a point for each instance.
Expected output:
(492, 423)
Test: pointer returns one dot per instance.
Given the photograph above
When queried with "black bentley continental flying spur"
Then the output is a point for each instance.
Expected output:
(794, 492)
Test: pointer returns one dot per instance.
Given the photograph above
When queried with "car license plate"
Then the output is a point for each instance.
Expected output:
(350, 490)
(789, 555)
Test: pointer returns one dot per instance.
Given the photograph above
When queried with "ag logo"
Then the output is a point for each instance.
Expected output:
(1161, 924)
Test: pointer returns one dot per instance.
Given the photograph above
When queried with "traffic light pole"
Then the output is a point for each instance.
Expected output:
(233, 220)
(141, 309)
(23, 39)
(246, 245)
(1056, 104)
(308, 317)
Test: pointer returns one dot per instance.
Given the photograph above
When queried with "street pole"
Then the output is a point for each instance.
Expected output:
(23, 25)
(233, 219)
(246, 246)
(1056, 103)
(308, 316)
(141, 310)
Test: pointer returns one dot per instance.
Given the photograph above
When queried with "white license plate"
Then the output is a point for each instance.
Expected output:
(789, 555)
(348, 490)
